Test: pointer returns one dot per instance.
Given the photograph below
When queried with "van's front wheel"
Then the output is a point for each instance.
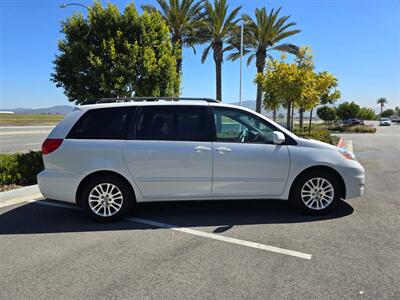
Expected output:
(106, 198)
(316, 192)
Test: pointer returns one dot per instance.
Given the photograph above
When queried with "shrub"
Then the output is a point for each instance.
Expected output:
(322, 135)
(20, 168)
(354, 129)
(360, 129)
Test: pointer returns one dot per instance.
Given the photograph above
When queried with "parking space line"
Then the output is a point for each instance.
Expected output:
(202, 234)
(222, 238)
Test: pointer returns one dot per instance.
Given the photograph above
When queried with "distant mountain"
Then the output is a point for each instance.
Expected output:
(53, 110)
(252, 105)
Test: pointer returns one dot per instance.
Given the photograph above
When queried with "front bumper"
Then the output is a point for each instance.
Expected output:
(58, 185)
(354, 179)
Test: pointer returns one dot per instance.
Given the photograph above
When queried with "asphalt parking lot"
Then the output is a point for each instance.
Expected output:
(50, 250)
(22, 138)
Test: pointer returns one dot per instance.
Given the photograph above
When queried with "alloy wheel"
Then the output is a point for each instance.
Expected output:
(105, 199)
(317, 193)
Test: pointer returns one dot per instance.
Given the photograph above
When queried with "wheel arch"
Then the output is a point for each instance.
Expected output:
(320, 168)
(92, 175)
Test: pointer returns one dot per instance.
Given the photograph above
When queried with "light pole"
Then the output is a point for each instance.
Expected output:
(73, 4)
(241, 63)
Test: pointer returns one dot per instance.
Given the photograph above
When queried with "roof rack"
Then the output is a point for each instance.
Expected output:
(139, 99)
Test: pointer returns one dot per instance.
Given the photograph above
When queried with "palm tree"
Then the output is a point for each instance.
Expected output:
(382, 101)
(184, 19)
(218, 28)
(261, 35)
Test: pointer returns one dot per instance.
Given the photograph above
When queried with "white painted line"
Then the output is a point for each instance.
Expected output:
(30, 144)
(200, 233)
(222, 238)
(22, 132)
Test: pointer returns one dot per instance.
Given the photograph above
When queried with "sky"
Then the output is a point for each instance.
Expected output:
(356, 40)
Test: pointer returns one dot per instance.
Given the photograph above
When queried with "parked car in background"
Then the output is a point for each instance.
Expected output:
(353, 122)
(105, 157)
(384, 122)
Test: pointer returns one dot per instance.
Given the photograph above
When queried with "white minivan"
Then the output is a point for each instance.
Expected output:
(107, 156)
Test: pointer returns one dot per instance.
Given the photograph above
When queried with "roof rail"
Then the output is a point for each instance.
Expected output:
(138, 99)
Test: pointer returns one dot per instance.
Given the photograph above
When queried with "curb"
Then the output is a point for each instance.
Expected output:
(20, 192)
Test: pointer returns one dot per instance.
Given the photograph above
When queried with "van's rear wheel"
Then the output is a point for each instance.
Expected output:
(316, 192)
(106, 198)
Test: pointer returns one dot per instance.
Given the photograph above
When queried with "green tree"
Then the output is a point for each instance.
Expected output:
(367, 113)
(387, 113)
(113, 54)
(326, 113)
(271, 102)
(219, 25)
(348, 110)
(382, 101)
(184, 19)
(296, 84)
(261, 35)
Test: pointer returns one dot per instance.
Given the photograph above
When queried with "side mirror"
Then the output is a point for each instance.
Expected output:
(278, 137)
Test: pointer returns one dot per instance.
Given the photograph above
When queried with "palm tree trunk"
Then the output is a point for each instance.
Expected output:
(177, 49)
(274, 115)
(217, 48)
(260, 64)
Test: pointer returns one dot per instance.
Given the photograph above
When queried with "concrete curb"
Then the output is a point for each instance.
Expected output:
(20, 192)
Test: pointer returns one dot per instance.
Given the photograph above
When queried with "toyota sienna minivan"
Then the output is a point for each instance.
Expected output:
(107, 156)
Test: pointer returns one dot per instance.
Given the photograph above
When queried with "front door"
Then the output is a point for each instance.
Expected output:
(169, 154)
(246, 162)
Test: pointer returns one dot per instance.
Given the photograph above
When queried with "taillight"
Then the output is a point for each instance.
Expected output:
(50, 145)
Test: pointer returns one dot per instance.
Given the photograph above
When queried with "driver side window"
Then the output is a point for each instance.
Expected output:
(236, 126)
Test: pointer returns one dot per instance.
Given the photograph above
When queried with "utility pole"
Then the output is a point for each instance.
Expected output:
(241, 63)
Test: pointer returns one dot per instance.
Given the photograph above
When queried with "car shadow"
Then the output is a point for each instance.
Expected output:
(36, 218)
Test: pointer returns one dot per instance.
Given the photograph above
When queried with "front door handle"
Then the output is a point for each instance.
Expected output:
(200, 149)
(223, 150)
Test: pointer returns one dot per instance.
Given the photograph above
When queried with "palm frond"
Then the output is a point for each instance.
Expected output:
(250, 59)
(288, 48)
(148, 7)
(205, 53)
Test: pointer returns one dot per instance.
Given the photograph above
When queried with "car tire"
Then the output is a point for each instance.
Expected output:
(106, 198)
(317, 192)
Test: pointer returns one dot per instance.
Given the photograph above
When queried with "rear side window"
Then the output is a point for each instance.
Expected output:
(103, 123)
(172, 123)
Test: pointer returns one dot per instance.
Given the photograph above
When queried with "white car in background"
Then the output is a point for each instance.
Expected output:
(107, 156)
(384, 122)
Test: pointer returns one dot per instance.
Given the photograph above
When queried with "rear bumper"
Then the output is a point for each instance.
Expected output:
(58, 185)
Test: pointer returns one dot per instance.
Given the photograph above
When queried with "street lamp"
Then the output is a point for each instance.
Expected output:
(73, 4)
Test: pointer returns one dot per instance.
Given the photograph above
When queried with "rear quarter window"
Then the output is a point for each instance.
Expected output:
(102, 123)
